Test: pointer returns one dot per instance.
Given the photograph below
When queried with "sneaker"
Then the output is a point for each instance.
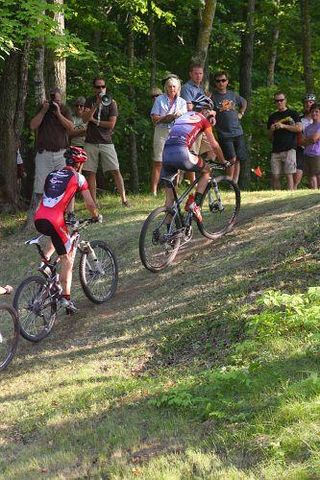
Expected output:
(68, 305)
(126, 204)
(195, 209)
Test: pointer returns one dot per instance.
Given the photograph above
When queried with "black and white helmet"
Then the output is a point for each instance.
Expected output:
(310, 97)
(202, 101)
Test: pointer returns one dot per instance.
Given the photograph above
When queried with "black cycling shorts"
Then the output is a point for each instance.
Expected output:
(47, 228)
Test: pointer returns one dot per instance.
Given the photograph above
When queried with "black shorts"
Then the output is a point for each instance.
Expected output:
(179, 157)
(300, 158)
(47, 228)
(233, 147)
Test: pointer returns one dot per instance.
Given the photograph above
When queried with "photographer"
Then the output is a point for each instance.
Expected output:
(53, 123)
(101, 114)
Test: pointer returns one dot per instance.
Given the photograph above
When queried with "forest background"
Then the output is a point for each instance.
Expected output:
(265, 45)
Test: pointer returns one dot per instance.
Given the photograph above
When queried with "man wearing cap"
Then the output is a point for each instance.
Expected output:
(77, 136)
(101, 116)
(53, 123)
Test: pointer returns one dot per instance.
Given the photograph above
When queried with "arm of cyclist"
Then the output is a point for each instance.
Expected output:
(90, 205)
(216, 147)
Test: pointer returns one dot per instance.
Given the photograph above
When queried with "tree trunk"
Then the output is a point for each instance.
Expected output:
(306, 47)
(205, 30)
(273, 55)
(246, 55)
(12, 102)
(38, 78)
(246, 61)
(152, 46)
(132, 135)
(56, 75)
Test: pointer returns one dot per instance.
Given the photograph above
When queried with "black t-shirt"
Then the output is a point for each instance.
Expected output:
(283, 140)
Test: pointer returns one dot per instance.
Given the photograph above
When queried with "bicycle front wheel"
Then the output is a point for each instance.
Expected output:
(98, 272)
(219, 208)
(9, 334)
(37, 310)
(160, 239)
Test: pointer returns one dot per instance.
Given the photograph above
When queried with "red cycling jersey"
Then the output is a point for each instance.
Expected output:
(59, 189)
(187, 128)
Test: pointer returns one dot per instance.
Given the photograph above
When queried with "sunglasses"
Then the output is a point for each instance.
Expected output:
(279, 100)
(99, 86)
(221, 80)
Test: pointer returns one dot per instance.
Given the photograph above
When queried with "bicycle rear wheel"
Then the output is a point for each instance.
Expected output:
(219, 208)
(9, 334)
(37, 310)
(98, 271)
(160, 239)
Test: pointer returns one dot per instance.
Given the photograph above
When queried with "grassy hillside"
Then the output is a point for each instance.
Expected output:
(209, 370)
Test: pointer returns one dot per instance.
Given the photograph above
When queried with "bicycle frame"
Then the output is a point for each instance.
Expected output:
(178, 200)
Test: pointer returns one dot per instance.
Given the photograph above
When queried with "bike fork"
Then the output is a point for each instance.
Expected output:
(97, 265)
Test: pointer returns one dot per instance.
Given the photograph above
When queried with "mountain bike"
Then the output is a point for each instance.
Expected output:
(166, 228)
(37, 297)
(9, 334)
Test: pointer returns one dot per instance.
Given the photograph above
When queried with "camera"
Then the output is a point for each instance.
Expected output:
(106, 99)
(52, 107)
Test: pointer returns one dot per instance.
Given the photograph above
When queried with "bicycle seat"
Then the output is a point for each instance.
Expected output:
(169, 180)
(34, 241)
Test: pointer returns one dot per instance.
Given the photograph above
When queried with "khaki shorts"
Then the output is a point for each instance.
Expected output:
(311, 165)
(284, 162)
(159, 138)
(201, 145)
(103, 151)
(45, 163)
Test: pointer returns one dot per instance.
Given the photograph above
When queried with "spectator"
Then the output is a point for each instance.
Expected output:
(101, 118)
(308, 100)
(53, 123)
(154, 93)
(78, 134)
(283, 126)
(192, 88)
(230, 109)
(166, 108)
(311, 140)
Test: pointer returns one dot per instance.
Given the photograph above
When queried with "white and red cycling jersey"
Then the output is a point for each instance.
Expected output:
(59, 189)
(187, 128)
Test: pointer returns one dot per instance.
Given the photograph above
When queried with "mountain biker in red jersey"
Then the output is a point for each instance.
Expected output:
(178, 154)
(60, 188)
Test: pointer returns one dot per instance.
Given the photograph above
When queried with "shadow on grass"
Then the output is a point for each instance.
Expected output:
(190, 311)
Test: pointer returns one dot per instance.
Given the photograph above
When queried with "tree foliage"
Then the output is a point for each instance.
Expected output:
(95, 41)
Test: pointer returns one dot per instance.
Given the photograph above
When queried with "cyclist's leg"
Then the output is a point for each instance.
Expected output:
(66, 261)
(169, 168)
